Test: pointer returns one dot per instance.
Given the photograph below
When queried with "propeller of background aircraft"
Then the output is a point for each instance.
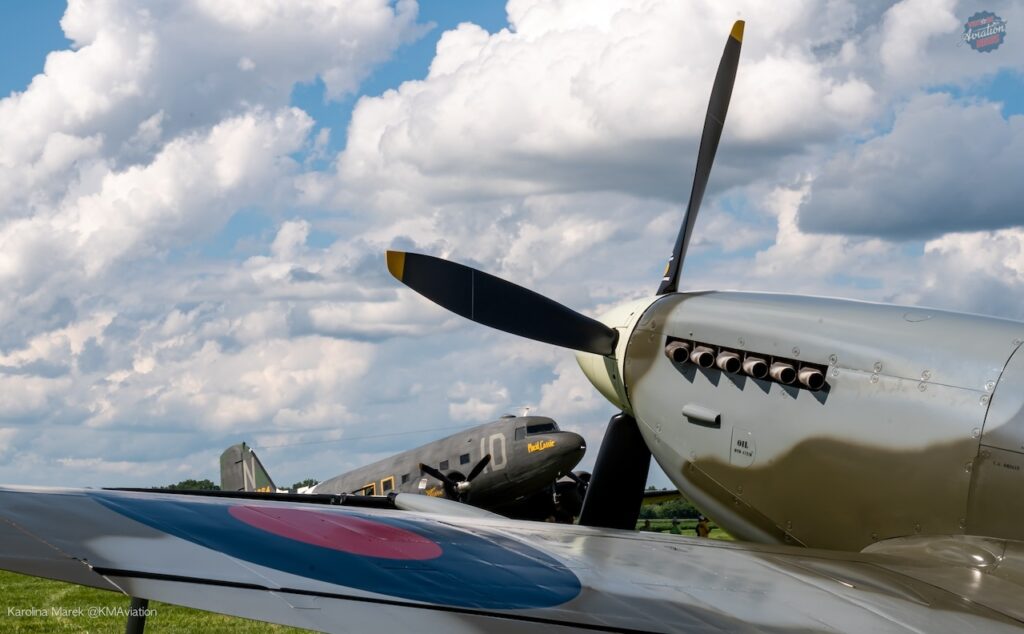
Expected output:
(582, 479)
(571, 493)
(457, 489)
(615, 491)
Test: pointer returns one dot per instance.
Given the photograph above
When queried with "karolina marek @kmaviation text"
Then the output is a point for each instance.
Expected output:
(92, 612)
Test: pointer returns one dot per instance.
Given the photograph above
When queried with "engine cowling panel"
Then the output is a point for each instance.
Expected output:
(885, 448)
(996, 507)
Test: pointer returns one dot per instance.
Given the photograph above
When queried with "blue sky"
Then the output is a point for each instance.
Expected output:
(184, 258)
(409, 62)
(28, 32)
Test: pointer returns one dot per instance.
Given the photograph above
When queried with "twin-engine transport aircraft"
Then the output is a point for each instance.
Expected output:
(897, 431)
(511, 466)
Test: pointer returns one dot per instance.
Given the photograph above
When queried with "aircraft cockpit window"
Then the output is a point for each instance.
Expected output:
(540, 428)
(520, 433)
(443, 466)
(464, 458)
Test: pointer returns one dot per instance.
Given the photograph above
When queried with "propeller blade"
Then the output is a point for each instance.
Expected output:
(478, 469)
(616, 488)
(569, 496)
(493, 302)
(714, 122)
(449, 485)
(578, 480)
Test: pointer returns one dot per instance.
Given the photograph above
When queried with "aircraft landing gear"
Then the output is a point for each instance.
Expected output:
(136, 623)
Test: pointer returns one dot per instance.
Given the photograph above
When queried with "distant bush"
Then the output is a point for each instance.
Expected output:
(193, 485)
(678, 508)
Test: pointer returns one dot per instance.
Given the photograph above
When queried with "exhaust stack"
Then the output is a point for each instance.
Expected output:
(802, 374)
(811, 378)
(755, 367)
(728, 362)
(782, 372)
(678, 351)
(703, 356)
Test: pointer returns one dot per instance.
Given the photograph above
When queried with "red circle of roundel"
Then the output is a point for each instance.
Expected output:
(346, 533)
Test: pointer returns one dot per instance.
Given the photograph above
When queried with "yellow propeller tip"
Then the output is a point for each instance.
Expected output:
(396, 263)
(737, 31)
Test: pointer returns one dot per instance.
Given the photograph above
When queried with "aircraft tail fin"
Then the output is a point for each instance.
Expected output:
(241, 470)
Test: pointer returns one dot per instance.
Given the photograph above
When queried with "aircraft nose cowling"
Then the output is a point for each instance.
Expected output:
(566, 449)
(573, 444)
(605, 373)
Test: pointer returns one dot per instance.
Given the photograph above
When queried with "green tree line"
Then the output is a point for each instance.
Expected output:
(678, 508)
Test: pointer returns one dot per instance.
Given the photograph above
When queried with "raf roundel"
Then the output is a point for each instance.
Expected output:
(409, 558)
(346, 533)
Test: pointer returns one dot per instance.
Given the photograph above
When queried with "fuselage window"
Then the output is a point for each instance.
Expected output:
(464, 458)
(539, 428)
(520, 433)
(387, 484)
(444, 465)
(405, 478)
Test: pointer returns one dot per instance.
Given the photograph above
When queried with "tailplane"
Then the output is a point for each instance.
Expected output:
(241, 470)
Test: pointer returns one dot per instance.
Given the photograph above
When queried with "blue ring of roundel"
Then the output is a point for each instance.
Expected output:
(486, 571)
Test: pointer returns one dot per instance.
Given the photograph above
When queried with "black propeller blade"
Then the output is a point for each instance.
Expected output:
(493, 302)
(449, 484)
(714, 122)
(571, 494)
(457, 489)
(616, 488)
(580, 482)
(615, 491)
(478, 469)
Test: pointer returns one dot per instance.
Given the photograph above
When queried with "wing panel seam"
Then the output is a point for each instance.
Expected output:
(137, 574)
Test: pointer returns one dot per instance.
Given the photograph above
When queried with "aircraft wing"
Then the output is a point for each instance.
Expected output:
(347, 569)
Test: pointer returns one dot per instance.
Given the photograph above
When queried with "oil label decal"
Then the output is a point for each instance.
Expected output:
(409, 558)
(743, 450)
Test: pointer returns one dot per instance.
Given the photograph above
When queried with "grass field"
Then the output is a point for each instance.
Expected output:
(49, 606)
(686, 528)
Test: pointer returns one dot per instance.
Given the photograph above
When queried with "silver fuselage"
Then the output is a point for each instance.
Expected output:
(919, 430)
